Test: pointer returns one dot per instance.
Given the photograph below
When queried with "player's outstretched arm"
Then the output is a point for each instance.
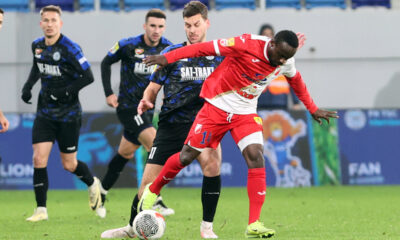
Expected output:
(149, 97)
(323, 114)
(3, 122)
(302, 38)
(159, 60)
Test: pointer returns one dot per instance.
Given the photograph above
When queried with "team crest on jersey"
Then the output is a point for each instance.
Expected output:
(258, 120)
(227, 42)
(139, 51)
(38, 52)
(56, 56)
(114, 48)
(197, 129)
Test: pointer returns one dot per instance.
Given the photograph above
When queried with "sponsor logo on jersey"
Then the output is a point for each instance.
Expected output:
(251, 91)
(195, 73)
(114, 48)
(38, 52)
(56, 56)
(48, 69)
(141, 68)
(227, 42)
(259, 79)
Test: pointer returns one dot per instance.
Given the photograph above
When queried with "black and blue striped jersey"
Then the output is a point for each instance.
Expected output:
(182, 82)
(134, 74)
(59, 67)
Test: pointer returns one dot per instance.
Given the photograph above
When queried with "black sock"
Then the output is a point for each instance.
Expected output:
(134, 209)
(40, 186)
(114, 169)
(83, 173)
(209, 196)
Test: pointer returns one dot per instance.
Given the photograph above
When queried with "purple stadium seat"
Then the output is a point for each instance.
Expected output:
(371, 3)
(65, 5)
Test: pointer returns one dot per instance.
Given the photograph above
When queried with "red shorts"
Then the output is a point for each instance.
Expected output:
(212, 123)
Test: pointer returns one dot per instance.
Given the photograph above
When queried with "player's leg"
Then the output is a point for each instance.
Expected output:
(43, 136)
(67, 138)
(247, 133)
(210, 161)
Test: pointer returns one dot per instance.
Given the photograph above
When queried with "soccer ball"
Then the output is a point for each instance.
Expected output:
(149, 224)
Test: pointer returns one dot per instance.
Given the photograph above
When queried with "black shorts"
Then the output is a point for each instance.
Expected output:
(66, 133)
(134, 124)
(169, 140)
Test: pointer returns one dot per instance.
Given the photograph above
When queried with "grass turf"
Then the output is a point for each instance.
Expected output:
(303, 213)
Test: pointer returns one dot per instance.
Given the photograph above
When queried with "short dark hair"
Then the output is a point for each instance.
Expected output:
(287, 36)
(195, 7)
(155, 12)
(266, 26)
(1, 11)
(50, 8)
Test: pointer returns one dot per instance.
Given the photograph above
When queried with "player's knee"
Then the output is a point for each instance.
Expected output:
(39, 161)
(254, 156)
(185, 159)
(69, 166)
(126, 154)
(212, 169)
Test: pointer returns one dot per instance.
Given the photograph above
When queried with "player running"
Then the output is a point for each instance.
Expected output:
(63, 70)
(138, 129)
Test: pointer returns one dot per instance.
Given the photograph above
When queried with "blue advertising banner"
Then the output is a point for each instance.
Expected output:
(369, 146)
(98, 143)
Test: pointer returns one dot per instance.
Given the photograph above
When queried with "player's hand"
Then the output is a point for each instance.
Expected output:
(302, 38)
(159, 60)
(144, 105)
(4, 123)
(26, 96)
(112, 101)
(327, 115)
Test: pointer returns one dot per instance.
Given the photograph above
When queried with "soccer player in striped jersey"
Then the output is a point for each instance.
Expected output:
(64, 71)
(138, 129)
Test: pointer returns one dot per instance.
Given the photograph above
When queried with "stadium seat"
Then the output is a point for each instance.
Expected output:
(178, 4)
(65, 5)
(143, 4)
(325, 3)
(373, 3)
(221, 4)
(112, 5)
(15, 5)
(86, 5)
(283, 3)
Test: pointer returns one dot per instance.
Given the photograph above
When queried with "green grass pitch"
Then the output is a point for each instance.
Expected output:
(326, 213)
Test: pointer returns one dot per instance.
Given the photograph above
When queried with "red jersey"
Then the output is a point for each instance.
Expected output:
(243, 75)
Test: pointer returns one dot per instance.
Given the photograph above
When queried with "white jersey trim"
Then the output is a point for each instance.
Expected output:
(266, 40)
(216, 48)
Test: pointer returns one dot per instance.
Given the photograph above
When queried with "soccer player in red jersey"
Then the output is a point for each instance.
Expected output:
(231, 94)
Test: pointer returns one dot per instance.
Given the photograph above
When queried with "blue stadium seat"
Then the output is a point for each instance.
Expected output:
(65, 5)
(178, 4)
(283, 3)
(86, 5)
(15, 5)
(325, 3)
(112, 5)
(221, 4)
(373, 3)
(143, 4)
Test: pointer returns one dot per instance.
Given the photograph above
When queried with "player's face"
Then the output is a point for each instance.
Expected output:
(268, 32)
(1, 20)
(196, 28)
(154, 29)
(278, 54)
(51, 24)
